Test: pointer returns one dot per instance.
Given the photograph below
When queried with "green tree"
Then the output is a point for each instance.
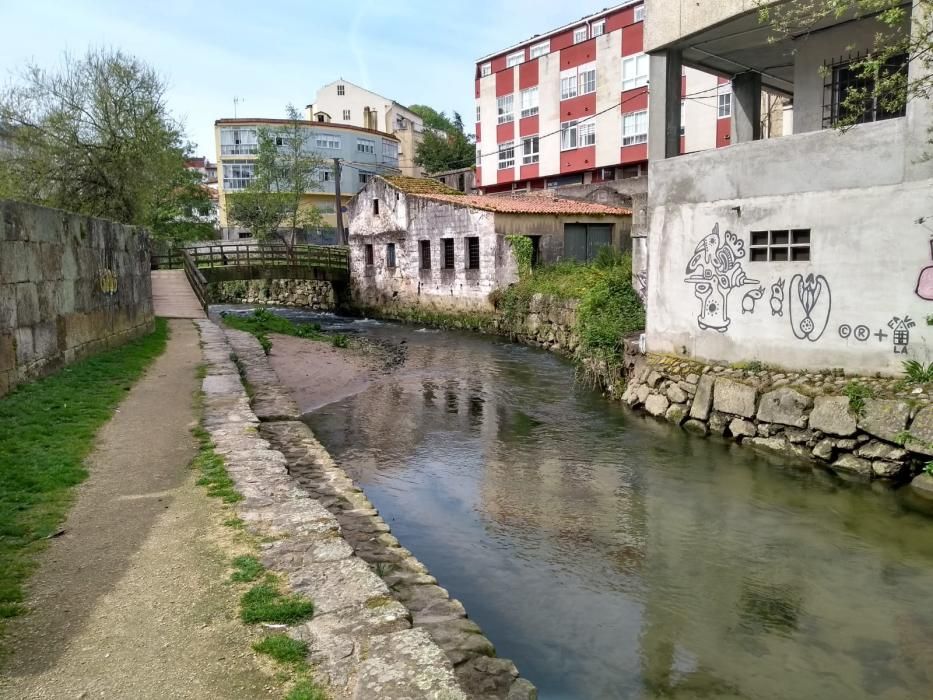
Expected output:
(884, 79)
(178, 210)
(286, 168)
(94, 136)
(445, 145)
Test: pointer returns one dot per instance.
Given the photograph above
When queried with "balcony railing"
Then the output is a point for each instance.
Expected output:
(239, 149)
(236, 183)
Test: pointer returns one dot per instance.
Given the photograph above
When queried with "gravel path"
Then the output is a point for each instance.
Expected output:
(131, 602)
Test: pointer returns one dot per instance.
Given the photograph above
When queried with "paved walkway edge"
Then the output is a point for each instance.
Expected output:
(361, 641)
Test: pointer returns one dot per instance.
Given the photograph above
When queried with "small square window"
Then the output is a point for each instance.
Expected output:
(758, 255)
(425, 255)
(800, 236)
(780, 237)
(759, 238)
(800, 254)
(341, 89)
(580, 35)
(640, 13)
(390, 255)
(472, 252)
(368, 254)
(780, 245)
(448, 261)
(779, 255)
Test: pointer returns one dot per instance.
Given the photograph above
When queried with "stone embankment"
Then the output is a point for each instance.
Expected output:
(311, 294)
(382, 626)
(886, 435)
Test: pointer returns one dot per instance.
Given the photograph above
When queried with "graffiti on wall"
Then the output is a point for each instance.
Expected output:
(777, 298)
(715, 270)
(900, 332)
(750, 298)
(924, 288)
(108, 281)
(809, 305)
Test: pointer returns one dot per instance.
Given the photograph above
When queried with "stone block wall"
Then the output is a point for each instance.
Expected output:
(804, 415)
(312, 294)
(70, 285)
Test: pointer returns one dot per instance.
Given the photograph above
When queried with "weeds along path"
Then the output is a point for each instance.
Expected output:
(132, 600)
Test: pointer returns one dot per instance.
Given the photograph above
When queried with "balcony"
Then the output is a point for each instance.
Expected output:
(239, 149)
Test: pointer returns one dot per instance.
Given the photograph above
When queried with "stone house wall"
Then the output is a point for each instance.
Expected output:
(311, 294)
(70, 285)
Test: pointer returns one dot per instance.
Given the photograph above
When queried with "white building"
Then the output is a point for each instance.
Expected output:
(812, 250)
(342, 102)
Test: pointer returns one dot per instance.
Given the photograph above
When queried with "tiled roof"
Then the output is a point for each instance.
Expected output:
(421, 185)
(531, 204)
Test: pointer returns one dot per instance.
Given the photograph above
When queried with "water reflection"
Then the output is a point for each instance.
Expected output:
(614, 557)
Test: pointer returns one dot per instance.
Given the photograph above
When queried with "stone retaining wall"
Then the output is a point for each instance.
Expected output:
(361, 641)
(402, 580)
(70, 286)
(312, 294)
(803, 415)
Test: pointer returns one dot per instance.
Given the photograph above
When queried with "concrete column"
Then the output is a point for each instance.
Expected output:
(746, 107)
(919, 107)
(664, 93)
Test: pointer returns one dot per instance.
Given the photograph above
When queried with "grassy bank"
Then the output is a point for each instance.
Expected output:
(262, 322)
(47, 429)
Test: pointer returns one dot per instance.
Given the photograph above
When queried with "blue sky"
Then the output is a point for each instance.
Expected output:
(273, 53)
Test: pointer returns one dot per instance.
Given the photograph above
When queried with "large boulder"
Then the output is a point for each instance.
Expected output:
(922, 486)
(784, 406)
(676, 413)
(921, 432)
(656, 404)
(730, 396)
(739, 427)
(831, 415)
(676, 394)
(885, 418)
(703, 400)
(697, 427)
(851, 465)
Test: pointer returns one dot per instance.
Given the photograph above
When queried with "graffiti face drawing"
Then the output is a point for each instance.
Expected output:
(777, 298)
(810, 304)
(714, 271)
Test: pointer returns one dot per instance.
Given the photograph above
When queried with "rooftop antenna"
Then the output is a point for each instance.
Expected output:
(236, 101)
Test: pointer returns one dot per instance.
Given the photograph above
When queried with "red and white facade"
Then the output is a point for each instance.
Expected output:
(571, 106)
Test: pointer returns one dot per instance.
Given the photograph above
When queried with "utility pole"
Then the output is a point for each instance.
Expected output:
(341, 234)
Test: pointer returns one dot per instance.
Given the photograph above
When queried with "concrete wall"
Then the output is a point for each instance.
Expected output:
(69, 286)
(669, 20)
(859, 195)
(405, 221)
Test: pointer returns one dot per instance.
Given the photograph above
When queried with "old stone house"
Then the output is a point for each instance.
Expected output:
(415, 241)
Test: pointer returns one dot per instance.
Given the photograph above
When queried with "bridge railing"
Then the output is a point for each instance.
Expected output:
(195, 278)
(252, 255)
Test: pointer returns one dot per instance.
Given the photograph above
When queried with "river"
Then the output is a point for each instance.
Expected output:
(614, 556)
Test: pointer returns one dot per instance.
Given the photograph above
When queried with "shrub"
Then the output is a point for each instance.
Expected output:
(857, 393)
(917, 372)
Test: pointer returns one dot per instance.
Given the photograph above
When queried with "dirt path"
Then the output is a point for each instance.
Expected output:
(131, 602)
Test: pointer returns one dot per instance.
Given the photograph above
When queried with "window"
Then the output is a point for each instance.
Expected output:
(477, 112)
(238, 142)
(375, 207)
(365, 177)
(607, 174)
(237, 174)
(506, 155)
(587, 78)
(281, 140)
(634, 71)
(683, 114)
(425, 248)
(568, 135)
(529, 150)
(635, 128)
(631, 171)
(390, 255)
(785, 245)
(479, 156)
(368, 254)
(327, 141)
(847, 80)
(640, 13)
(365, 146)
(341, 89)
(725, 105)
(599, 28)
(568, 84)
(485, 70)
(579, 34)
(346, 114)
(325, 174)
(539, 49)
(504, 106)
(586, 133)
(472, 252)
(529, 102)
(513, 59)
(574, 134)
(390, 152)
(448, 244)
(461, 182)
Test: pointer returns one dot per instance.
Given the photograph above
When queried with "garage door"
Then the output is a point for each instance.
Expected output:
(583, 241)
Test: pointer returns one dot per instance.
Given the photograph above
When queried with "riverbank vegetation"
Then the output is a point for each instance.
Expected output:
(47, 429)
(262, 322)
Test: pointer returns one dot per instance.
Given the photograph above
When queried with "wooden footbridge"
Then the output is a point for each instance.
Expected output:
(180, 278)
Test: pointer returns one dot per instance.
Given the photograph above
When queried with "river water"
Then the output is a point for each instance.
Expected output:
(614, 556)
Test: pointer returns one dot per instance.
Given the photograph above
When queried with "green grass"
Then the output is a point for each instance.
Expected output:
(306, 689)
(857, 393)
(917, 372)
(282, 648)
(247, 569)
(47, 429)
(213, 472)
(265, 602)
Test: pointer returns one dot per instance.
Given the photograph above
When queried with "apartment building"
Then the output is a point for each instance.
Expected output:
(570, 107)
(363, 153)
(342, 102)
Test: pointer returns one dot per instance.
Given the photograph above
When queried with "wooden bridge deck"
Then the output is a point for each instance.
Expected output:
(172, 296)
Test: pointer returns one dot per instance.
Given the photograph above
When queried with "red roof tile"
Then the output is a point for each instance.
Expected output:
(529, 204)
